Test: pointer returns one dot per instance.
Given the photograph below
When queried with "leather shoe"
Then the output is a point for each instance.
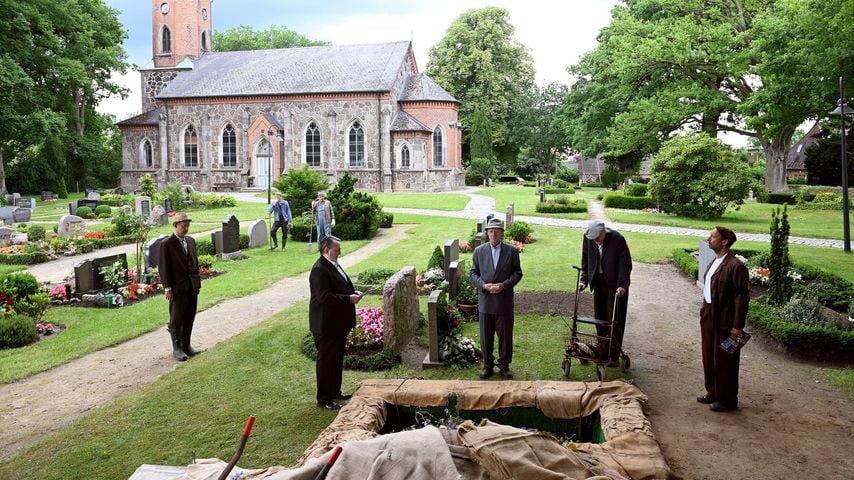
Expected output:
(344, 396)
(706, 398)
(720, 407)
(179, 355)
(192, 352)
(485, 372)
(330, 406)
(505, 373)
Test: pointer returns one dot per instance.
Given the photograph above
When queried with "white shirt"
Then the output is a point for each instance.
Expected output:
(707, 283)
(496, 250)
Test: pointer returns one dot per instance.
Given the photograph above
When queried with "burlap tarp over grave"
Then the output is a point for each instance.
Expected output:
(485, 451)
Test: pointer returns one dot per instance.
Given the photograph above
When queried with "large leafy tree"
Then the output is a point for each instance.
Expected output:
(743, 66)
(539, 128)
(480, 63)
(57, 57)
(244, 37)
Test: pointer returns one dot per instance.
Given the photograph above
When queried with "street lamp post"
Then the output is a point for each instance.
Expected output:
(842, 109)
(269, 163)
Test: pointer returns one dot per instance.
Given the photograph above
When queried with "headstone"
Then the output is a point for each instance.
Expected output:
(400, 309)
(452, 254)
(15, 197)
(216, 239)
(7, 214)
(157, 215)
(87, 274)
(453, 278)
(706, 257)
(126, 209)
(142, 205)
(542, 195)
(167, 204)
(478, 239)
(70, 226)
(490, 183)
(87, 202)
(488, 218)
(47, 195)
(72, 208)
(21, 215)
(26, 203)
(19, 238)
(432, 359)
(6, 234)
(508, 217)
(152, 251)
(93, 196)
(258, 233)
(479, 226)
(230, 235)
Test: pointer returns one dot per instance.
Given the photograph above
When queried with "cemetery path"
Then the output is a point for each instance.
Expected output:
(33, 408)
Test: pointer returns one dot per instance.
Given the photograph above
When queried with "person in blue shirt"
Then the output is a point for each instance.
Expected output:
(281, 219)
(322, 215)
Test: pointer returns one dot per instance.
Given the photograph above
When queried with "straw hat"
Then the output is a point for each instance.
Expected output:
(180, 217)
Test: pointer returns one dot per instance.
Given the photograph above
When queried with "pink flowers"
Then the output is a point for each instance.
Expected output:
(369, 328)
(44, 328)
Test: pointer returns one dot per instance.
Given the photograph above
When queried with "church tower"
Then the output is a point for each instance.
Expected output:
(180, 29)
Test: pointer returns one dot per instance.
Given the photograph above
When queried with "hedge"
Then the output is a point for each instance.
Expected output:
(24, 258)
(618, 200)
(779, 198)
(814, 342)
(686, 262)
(556, 190)
(575, 206)
(382, 360)
(108, 242)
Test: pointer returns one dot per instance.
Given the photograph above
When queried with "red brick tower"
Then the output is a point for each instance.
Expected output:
(180, 29)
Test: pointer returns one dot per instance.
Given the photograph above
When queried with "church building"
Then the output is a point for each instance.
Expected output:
(231, 120)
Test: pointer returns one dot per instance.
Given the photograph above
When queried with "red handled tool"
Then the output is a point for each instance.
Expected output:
(332, 458)
(240, 445)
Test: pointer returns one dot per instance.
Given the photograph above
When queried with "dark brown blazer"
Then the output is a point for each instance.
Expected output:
(330, 311)
(178, 270)
(730, 286)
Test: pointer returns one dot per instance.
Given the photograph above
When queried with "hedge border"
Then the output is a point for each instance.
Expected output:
(382, 360)
(575, 206)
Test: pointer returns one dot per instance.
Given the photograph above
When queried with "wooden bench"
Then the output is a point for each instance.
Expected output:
(229, 186)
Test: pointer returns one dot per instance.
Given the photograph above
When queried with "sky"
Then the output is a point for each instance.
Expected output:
(557, 33)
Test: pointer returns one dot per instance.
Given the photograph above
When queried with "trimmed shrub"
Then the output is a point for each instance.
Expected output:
(20, 284)
(300, 229)
(36, 233)
(559, 190)
(108, 242)
(569, 175)
(85, 212)
(17, 331)
(204, 246)
(805, 311)
(243, 242)
(437, 260)
(635, 190)
(24, 258)
(519, 231)
(686, 261)
(558, 183)
(574, 206)
(206, 261)
(357, 213)
(800, 339)
(375, 277)
(386, 220)
(618, 200)
(381, 360)
(103, 209)
(34, 306)
(780, 198)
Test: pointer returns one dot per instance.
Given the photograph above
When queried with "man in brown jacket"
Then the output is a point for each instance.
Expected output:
(726, 293)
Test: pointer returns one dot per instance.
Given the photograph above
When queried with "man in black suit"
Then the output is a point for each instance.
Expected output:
(331, 316)
(494, 272)
(606, 265)
(179, 273)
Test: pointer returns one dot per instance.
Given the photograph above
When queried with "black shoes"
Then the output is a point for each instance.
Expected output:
(344, 396)
(330, 406)
(706, 398)
(485, 373)
(721, 407)
(179, 355)
(192, 352)
(505, 373)
(274, 247)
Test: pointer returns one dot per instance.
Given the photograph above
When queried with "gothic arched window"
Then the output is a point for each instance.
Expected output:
(191, 147)
(204, 41)
(165, 40)
(229, 147)
(312, 145)
(404, 157)
(147, 154)
(356, 145)
(438, 148)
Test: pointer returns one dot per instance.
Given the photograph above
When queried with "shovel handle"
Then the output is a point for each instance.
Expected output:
(332, 458)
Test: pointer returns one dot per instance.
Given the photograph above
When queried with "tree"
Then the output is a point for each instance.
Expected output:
(481, 136)
(480, 64)
(698, 176)
(745, 66)
(243, 37)
(300, 186)
(480, 169)
(779, 281)
(823, 162)
(539, 127)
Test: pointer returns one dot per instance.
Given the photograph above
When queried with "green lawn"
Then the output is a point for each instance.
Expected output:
(432, 201)
(525, 199)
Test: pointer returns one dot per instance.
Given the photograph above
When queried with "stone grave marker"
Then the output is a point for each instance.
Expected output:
(87, 202)
(542, 195)
(159, 216)
(453, 278)
(87, 275)
(70, 225)
(216, 239)
(452, 254)
(167, 204)
(21, 215)
(508, 217)
(230, 235)
(26, 203)
(432, 359)
(15, 197)
(706, 257)
(72, 208)
(142, 205)
(6, 234)
(400, 309)
(488, 218)
(258, 233)
(18, 238)
(47, 195)
(478, 239)
(152, 251)
(126, 209)
(479, 226)
(93, 196)
(7, 215)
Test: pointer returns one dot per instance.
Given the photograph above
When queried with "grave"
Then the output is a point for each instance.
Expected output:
(508, 217)
(93, 196)
(478, 239)
(26, 203)
(400, 309)
(7, 214)
(6, 234)
(152, 251)
(257, 233)
(70, 226)
(452, 254)
(21, 215)
(19, 238)
(142, 205)
(87, 202)
(479, 227)
(231, 238)
(159, 215)
(432, 359)
(542, 195)
(47, 195)
(87, 274)
(167, 204)
(453, 279)
(216, 239)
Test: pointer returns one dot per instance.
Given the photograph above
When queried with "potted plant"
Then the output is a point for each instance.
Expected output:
(466, 295)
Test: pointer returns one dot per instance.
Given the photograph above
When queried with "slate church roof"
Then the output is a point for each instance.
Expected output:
(420, 87)
(151, 117)
(305, 70)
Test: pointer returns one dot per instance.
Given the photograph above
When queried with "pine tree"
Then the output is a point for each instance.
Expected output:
(779, 282)
(481, 136)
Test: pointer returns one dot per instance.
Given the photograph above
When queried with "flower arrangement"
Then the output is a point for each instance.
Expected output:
(58, 292)
(6, 302)
(649, 210)
(518, 245)
(13, 249)
(465, 247)
(136, 290)
(94, 235)
(45, 328)
(759, 275)
(456, 348)
(430, 280)
(369, 329)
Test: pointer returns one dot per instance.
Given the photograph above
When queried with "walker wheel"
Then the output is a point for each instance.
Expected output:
(600, 373)
(626, 363)
(566, 366)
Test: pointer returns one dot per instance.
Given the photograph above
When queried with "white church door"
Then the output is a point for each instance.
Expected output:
(263, 164)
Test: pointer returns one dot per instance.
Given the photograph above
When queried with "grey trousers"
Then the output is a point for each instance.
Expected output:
(490, 325)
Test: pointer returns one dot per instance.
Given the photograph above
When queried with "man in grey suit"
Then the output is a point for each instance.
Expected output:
(495, 271)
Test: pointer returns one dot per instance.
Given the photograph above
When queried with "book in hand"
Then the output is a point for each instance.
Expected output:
(733, 345)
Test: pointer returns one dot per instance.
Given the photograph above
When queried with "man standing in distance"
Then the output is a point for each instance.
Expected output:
(331, 316)
(179, 273)
(726, 294)
(322, 215)
(495, 271)
(281, 219)
(606, 265)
